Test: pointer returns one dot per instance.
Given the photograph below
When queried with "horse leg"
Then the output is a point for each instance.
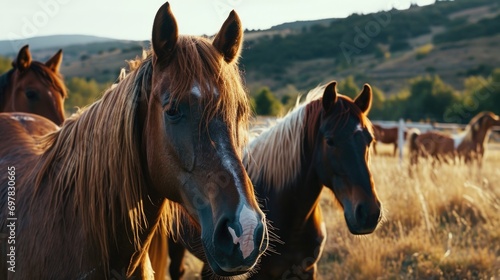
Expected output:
(176, 252)
(395, 149)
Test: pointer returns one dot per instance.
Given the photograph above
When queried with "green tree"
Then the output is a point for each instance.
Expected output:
(378, 104)
(393, 107)
(483, 94)
(82, 92)
(429, 98)
(5, 64)
(266, 104)
(348, 87)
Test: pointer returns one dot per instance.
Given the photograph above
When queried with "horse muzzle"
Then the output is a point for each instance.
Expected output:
(362, 217)
(237, 244)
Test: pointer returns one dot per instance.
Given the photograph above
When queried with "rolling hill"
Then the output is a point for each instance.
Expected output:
(453, 39)
(9, 48)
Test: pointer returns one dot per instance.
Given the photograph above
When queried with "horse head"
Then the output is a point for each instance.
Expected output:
(197, 105)
(36, 87)
(342, 156)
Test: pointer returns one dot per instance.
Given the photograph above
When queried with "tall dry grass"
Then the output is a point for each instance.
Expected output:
(441, 223)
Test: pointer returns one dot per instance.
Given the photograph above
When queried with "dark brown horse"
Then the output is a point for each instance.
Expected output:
(323, 142)
(34, 87)
(467, 146)
(387, 136)
(85, 202)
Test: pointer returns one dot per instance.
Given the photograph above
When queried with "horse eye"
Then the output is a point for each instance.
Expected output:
(32, 95)
(330, 142)
(172, 111)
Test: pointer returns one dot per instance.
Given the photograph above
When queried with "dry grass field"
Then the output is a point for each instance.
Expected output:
(442, 223)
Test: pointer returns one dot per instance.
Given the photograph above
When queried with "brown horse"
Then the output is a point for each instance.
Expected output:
(34, 87)
(323, 142)
(34, 125)
(85, 202)
(386, 136)
(468, 145)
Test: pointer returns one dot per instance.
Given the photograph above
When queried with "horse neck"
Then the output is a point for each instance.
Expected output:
(477, 138)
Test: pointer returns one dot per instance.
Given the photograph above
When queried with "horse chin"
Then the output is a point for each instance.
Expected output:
(356, 230)
(225, 271)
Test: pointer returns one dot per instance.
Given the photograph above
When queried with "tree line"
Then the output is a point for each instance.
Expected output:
(426, 98)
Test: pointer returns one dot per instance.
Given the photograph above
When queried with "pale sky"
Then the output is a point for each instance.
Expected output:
(132, 19)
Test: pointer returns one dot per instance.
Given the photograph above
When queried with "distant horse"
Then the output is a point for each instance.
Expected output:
(386, 136)
(322, 142)
(468, 145)
(85, 201)
(34, 87)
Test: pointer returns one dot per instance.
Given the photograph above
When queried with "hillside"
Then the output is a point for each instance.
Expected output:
(452, 39)
(48, 42)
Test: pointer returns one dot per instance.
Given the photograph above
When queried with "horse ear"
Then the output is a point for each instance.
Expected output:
(497, 119)
(54, 63)
(364, 99)
(330, 96)
(23, 60)
(165, 33)
(228, 40)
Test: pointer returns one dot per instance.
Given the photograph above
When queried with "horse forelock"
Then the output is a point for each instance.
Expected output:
(343, 110)
(49, 77)
(94, 162)
(195, 61)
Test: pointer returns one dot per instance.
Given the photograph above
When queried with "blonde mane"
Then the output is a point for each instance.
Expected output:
(268, 157)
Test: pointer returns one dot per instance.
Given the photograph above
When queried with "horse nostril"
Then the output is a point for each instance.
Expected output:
(222, 237)
(361, 214)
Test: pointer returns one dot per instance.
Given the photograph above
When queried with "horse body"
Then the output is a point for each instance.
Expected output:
(386, 136)
(34, 87)
(34, 125)
(89, 196)
(468, 145)
(321, 143)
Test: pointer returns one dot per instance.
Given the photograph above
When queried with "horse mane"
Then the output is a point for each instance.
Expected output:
(274, 157)
(94, 162)
(472, 130)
